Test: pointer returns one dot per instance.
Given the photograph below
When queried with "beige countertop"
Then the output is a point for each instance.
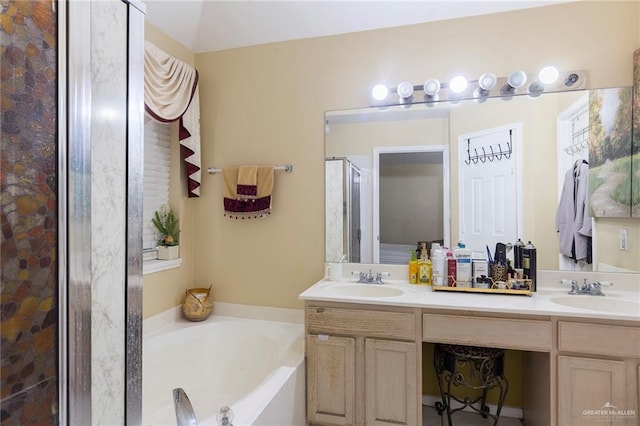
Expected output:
(621, 301)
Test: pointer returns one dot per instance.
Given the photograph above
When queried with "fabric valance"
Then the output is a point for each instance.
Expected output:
(171, 94)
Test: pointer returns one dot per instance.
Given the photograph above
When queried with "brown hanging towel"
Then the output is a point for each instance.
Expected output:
(238, 206)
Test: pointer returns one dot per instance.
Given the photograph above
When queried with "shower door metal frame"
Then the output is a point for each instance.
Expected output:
(74, 231)
(74, 218)
(135, 167)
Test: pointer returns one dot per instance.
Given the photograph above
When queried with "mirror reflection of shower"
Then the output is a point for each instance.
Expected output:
(344, 219)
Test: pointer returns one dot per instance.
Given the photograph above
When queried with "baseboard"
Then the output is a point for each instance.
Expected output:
(507, 411)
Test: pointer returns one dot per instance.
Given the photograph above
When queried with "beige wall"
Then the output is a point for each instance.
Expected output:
(265, 105)
(163, 290)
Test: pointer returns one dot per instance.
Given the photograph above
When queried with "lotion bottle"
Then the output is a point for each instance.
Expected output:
(451, 270)
(438, 266)
(463, 265)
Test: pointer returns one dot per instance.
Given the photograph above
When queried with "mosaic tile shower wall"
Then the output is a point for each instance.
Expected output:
(28, 296)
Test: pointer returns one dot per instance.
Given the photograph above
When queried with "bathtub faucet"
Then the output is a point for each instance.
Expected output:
(185, 416)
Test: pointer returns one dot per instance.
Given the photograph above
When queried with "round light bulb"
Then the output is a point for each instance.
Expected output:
(431, 87)
(379, 92)
(405, 89)
(432, 101)
(487, 81)
(517, 79)
(480, 95)
(535, 89)
(548, 75)
(458, 84)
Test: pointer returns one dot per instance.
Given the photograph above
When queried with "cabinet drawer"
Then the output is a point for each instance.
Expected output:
(356, 322)
(490, 332)
(619, 341)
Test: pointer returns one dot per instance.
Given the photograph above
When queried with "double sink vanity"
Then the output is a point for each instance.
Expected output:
(581, 353)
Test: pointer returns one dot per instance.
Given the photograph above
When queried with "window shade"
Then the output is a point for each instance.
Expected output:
(156, 176)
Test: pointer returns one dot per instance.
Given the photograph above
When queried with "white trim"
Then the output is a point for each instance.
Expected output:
(507, 411)
(564, 131)
(152, 266)
(446, 201)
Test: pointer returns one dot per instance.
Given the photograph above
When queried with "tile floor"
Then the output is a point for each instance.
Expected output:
(430, 417)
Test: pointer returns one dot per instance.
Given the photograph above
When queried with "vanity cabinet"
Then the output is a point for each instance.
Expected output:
(331, 379)
(598, 368)
(588, 384)
(391, 382)
(362, 366)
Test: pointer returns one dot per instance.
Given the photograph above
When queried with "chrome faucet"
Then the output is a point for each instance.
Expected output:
(592, 289)
(368, 278)
(185, 416)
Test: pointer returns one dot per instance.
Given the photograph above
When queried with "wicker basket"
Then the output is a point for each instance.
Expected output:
(198, 304)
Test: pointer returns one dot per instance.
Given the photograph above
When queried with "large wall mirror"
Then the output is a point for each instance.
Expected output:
(485, 172)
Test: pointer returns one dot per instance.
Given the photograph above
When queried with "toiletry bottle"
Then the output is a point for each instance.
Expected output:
(517, 254)
(438, 265)
(451, 270)
(425, 272)
(434, 247)
(463, 265)
(413, 268)
(529, 263)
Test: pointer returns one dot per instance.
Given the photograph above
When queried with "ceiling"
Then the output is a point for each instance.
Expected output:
(211, 25)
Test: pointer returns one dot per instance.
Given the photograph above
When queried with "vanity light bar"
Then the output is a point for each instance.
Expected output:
(518, 83)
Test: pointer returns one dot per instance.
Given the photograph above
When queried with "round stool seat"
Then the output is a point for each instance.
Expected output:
(472, 351)
(471, 367)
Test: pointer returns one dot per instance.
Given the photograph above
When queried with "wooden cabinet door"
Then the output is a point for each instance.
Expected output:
(391, 383)
(588, 389)
(330, 379)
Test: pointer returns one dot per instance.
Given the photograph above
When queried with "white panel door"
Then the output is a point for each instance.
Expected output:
(490, 207)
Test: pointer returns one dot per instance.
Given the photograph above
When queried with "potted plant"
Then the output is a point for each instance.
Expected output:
(167, 225)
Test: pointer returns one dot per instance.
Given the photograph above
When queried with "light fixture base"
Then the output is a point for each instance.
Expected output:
(566, 81)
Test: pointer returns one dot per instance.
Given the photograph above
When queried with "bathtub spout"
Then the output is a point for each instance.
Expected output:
(185, 416)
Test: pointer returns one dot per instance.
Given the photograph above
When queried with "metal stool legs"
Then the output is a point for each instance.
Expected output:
(473, 368)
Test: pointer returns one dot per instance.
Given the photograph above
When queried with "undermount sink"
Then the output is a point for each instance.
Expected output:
(599, 303)
(366, 290)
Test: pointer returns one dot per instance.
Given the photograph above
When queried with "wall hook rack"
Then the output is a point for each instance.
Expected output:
(494, 155)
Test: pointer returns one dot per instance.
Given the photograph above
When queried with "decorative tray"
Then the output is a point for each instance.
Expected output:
(518, 286)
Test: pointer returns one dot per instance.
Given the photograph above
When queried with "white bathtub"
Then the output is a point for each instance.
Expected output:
(255, 366)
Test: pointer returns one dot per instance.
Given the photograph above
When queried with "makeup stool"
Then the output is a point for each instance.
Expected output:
(471, 367)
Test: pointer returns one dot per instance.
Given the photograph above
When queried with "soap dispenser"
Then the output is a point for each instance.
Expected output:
(425, 269)
(413, 268)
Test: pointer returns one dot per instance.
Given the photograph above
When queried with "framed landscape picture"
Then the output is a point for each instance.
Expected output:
(611, 174)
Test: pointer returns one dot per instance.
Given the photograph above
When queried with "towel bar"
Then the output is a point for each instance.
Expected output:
(288, 168)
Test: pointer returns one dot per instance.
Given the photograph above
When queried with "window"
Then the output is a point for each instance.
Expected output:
(156, 178)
